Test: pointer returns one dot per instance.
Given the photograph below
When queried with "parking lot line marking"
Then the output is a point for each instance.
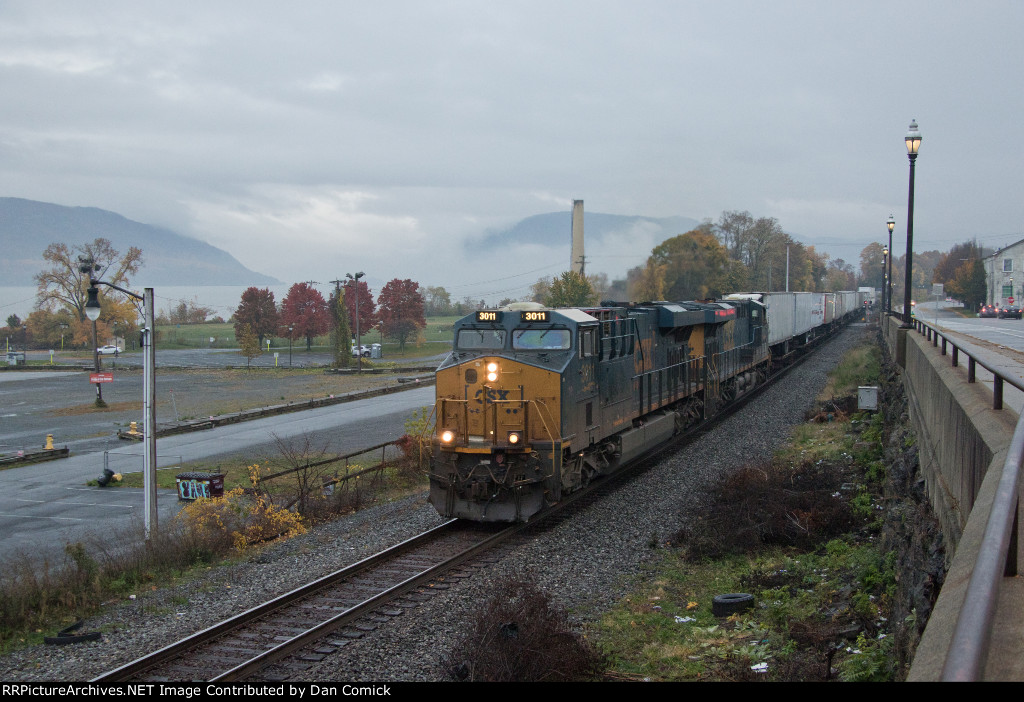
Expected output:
(33, 516)
(77, 504)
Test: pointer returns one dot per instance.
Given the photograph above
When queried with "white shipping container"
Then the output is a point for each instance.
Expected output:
(789, 313)
(809, 311)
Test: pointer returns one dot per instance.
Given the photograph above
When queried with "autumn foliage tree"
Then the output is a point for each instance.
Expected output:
(400, 310)
(258, 312)
(305, 312)
(64, 286)
(367, 307)
(570, 290)
(692, 266)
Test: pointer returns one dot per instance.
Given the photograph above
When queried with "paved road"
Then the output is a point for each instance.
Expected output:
(46, 505)
(998, 342)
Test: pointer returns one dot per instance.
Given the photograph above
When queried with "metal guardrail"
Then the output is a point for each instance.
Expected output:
(997, 554)
(933, 334)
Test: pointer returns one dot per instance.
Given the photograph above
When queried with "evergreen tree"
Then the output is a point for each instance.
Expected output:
(341, 333)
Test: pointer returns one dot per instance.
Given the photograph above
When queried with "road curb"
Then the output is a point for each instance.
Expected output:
(171, 429)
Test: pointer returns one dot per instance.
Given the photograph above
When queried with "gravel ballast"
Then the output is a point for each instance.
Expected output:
(587, 563)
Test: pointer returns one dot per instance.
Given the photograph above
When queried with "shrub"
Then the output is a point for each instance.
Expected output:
(521, 636)
(772, 504)
(239, 519)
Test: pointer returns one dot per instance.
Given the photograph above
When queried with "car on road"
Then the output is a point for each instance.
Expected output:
(364, 351)
(988, 311)
(1009, 312)
(109, 348)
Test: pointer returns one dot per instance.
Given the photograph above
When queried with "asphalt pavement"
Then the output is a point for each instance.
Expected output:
(43, 506)
(997, 342)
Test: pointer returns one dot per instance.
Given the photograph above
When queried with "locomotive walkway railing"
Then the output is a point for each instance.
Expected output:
(997, 553)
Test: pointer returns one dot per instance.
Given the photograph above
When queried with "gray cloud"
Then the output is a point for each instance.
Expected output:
(305, 138)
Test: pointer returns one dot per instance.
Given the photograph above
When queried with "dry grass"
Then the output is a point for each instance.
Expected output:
(91, 408)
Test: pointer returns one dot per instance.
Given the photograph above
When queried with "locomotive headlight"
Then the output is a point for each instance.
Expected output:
(447, 436)
(492, 371)
(514, 437)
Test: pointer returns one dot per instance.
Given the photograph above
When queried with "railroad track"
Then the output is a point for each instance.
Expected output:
(313, 621)
(326, 612)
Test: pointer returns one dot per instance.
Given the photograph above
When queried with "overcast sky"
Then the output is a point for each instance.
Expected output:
(312, 139)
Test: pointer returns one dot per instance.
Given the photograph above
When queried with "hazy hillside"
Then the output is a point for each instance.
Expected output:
(556, 228)
(28, 227)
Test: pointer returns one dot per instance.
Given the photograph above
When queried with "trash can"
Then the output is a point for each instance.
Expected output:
(15, 358)
(193, 485)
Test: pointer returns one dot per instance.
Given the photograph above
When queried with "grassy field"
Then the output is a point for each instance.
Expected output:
(432, 339)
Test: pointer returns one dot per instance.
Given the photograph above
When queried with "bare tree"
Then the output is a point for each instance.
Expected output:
(63, 285)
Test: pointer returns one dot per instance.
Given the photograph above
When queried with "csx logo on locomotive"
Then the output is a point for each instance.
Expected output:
(488, 396)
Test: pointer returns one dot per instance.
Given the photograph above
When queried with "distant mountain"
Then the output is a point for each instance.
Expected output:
(598, 229)
(28, 227)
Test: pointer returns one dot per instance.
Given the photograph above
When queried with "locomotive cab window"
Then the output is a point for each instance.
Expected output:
(588, 342)
(541, 339)
(480, 339)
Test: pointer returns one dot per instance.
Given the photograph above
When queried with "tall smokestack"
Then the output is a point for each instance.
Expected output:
(576, 262)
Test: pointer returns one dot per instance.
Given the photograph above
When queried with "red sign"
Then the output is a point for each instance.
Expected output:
(1011, 300)
(101, 377)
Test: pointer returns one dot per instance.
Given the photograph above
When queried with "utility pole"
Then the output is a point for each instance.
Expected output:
(354, 282)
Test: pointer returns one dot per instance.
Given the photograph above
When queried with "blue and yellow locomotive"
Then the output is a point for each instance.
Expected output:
(532, 403)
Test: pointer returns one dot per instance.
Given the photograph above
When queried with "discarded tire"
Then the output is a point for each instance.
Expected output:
(724, 605)
(65, 636)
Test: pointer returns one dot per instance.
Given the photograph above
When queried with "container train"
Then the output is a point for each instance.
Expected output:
(533, 403)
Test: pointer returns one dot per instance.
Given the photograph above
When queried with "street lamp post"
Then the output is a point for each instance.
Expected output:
(92, 311)
(913, 140)
(354, 282)
(891, 224)
(885, 280)
(290, 328)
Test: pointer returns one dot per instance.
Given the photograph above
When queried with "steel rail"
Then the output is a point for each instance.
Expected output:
(997, 554)
(263, 659)
(178, 648)
(283, 650)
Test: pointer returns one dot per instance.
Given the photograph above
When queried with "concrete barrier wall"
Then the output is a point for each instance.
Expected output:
(961, 441)
(959, 434)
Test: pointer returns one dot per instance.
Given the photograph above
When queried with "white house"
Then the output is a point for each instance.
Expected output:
(1004, 275)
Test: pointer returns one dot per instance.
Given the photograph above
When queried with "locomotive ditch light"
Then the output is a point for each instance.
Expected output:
(447, 436)
(514, 437)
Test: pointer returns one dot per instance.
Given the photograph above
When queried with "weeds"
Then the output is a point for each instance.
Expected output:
(802, 533)
(521, 636)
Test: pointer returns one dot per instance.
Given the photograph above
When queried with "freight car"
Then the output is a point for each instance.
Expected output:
(534, 403)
